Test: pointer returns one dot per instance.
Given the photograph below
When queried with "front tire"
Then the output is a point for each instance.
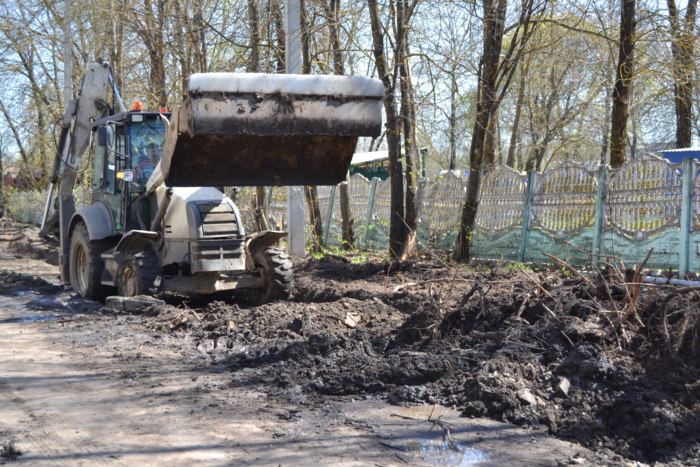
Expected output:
(86, 265)
(278, 280)
(139, 274)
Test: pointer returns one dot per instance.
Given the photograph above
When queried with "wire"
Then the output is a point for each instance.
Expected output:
(53, 131)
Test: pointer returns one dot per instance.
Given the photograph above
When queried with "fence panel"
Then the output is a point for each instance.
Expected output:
(622, 212)
(644, 197)
(502, 197)
(441, 210)
(564, 200)
(562, 213)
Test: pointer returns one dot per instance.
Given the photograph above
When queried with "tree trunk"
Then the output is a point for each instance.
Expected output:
(310, 192)
(606, 131)
(253, 22)
(199, 43)
(253, 66)
(397, 229)
(179, 32)
(151, 32)
(347, 230)
(260, 209)
(453, 118)
(494, 19)
(682, 51)
(277, 19)
(117, 45)
(2, 178)
(491, 142)
(621, 91)
(408, 115)
(510, 161)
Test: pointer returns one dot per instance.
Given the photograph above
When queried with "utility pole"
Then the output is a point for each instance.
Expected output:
(295, 194)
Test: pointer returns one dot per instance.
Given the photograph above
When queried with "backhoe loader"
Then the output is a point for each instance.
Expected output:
(154, 222)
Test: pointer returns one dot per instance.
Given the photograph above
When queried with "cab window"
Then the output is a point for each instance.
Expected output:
(146, 139)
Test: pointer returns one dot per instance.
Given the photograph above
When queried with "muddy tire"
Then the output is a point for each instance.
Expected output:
(85, 265)
(139, 274)
(277, 271)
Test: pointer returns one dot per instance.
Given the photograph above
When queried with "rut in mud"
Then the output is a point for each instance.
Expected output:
(532, 348)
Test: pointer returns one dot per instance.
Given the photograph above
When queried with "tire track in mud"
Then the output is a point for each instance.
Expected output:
(53, 429)
(50, 435)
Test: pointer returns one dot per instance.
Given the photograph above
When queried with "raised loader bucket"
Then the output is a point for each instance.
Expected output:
(237, 129)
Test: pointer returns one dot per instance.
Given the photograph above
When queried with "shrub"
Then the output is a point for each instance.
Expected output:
(25, 206)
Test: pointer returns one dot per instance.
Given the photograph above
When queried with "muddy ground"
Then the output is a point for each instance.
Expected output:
(588, 358)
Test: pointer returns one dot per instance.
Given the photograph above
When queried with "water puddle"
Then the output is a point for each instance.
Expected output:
(438, 452)
(20, 310)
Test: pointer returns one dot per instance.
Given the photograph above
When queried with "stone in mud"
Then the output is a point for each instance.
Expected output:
(223, 344)
(131, 304)
(563, 387)
(524, 395)
(352, 320)
(206, 346)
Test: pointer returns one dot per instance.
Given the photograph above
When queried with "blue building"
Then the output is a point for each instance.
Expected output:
(677, 155)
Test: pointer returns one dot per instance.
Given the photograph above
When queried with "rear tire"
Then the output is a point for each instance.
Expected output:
(277, 275)
(139, 274)
(85, 264)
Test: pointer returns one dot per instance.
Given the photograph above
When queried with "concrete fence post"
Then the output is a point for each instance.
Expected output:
(599, 211)
(525, 229)
(329, 217)
(686, 216)
(420, 198)
(370, 211)
(270, 191)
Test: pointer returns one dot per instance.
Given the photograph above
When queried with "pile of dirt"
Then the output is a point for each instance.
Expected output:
(11, 282)
(23, 241)
(591, 360)
(542, 349)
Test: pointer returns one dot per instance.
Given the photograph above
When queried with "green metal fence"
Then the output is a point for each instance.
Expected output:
(624, 212)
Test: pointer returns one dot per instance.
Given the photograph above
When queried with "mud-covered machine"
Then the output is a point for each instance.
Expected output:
(155, 223)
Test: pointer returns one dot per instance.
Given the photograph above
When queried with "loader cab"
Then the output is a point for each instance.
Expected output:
(127, 148)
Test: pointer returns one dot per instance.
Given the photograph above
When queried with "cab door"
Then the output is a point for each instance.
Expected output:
(110, 155)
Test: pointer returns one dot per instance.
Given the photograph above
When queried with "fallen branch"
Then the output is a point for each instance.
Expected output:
(566, 264)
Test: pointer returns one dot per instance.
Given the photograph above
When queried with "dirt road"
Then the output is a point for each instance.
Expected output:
(330, 379)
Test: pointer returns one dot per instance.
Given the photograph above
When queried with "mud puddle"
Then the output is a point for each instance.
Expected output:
(438, 452)
(436, 435)
(25, 299)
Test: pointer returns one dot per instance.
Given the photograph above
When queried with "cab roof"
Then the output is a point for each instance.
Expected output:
(126, 116)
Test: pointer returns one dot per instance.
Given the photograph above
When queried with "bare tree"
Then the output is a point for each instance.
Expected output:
(623, 84)
(332, 10)
(259, 201)
(149, 24)
(401, 223)
(683, 50)
(310, 192)
(495, 73)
